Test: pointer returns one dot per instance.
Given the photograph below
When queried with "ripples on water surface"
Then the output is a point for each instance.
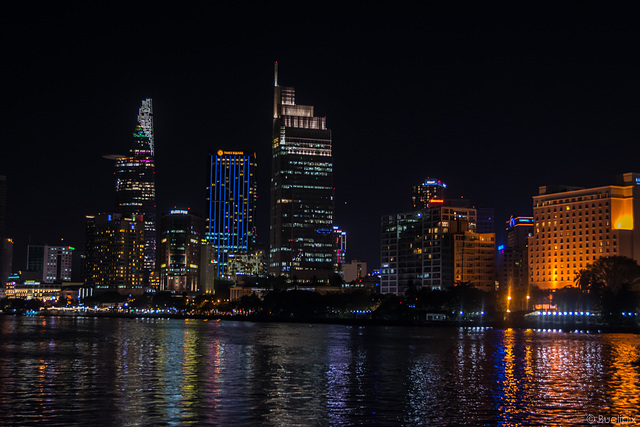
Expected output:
(101, 371)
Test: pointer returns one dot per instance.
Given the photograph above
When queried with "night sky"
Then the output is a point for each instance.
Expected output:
(493, 101)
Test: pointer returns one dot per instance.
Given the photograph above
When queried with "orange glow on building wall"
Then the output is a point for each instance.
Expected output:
(573, 227)
(622, 213)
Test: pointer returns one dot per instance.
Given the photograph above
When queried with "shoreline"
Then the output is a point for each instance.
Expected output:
(564, 325)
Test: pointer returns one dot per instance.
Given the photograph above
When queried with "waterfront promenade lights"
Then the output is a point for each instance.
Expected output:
(509, 304)
(528, 298)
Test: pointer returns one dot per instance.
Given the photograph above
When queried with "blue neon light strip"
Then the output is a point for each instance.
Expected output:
(229, 205)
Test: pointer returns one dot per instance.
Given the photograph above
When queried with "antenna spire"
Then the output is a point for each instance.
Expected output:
(275, 73)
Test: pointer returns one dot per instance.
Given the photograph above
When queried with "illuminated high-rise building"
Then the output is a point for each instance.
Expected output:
(423, 193)
(53, 263)
(115, 252)
(575, 226)
(512, 260)
(340, 250)
(418, 247)
(180, 243)
(301, 227)
(135, 182)
(232, 204)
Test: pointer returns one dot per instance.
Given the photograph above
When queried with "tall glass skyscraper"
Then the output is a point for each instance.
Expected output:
(135, 182)
(232, 204)
(301, 226)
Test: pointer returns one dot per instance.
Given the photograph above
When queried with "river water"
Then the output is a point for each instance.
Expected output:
(129, 372)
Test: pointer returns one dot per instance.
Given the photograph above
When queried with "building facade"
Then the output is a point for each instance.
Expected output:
(6, 259)
(208, 266)
(180, 244)
(35, 257)
(53, 263)
(512, 261)
(247, 264)
(135, 183)
(57, 264)
(232, 203)
(474, 259)
(340, 250)
(419, 248)
(575, 226)
(301, 224)
(422, 194)
(485, 220)
(115, 252)
(354, 270)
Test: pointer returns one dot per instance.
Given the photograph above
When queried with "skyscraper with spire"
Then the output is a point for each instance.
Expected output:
(301, 226)
(135, 182)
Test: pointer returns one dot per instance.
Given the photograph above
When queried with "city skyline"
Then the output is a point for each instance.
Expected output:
(493, 107)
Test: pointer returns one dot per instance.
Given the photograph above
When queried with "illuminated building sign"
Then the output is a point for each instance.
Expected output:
(230, 153)
(637, 181)
(436, 201)
(520, 220)
(179, 212)
(501, 247)
(435, 182)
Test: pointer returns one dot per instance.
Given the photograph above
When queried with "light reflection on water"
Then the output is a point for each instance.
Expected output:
(75, 371)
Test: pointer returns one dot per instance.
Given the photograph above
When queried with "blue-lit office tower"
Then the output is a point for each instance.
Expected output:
(232, 204)
(301, 227)
(135, 182)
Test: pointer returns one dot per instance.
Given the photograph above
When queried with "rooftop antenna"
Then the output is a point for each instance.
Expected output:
(275, 73)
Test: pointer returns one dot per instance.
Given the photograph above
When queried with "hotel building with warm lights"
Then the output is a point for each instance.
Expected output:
(575, 226)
